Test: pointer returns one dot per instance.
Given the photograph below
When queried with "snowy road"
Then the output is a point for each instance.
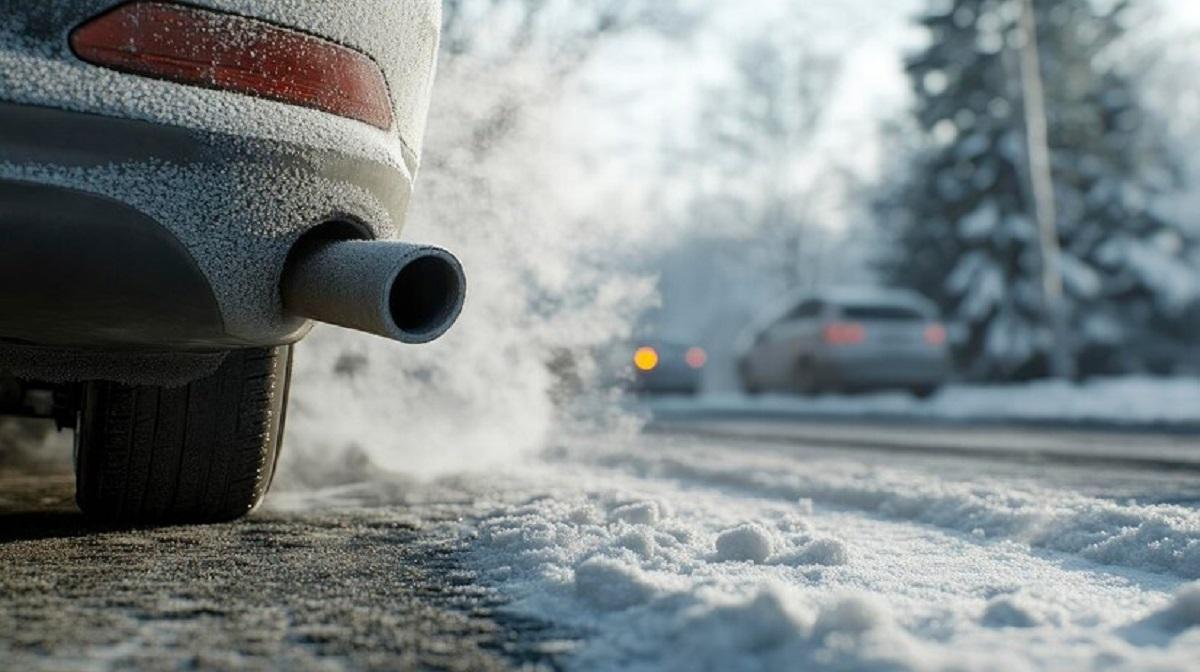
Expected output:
(1160, 450)
(659, 551)
(677, 552)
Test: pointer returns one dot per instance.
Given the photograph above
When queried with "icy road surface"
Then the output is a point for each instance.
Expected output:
(656, 552)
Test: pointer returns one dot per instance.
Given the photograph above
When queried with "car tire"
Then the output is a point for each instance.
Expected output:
(201, 453)
(925, 391)
(748, 386)
(804, 379)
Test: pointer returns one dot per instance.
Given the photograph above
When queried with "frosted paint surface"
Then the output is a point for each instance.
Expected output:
(239, 218)
(402, 37)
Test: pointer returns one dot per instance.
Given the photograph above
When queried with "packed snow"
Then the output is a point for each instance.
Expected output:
(671, 553)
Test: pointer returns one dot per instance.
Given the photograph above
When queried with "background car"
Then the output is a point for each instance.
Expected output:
(662, 366)
(848, 340)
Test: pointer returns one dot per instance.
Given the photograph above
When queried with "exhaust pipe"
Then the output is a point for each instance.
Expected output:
(408, 293)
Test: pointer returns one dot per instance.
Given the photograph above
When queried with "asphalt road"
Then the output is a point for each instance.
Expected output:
(375, 586)
(374, 577)
(1145, 448)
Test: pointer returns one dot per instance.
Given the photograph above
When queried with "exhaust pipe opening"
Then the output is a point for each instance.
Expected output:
(409, 293)
(424, 294)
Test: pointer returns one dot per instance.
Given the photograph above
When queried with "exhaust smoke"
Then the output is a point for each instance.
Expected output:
(548, 240)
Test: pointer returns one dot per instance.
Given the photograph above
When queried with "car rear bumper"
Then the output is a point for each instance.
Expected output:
(132, 235)
(81, 270)
(667, 380)
(883, 369)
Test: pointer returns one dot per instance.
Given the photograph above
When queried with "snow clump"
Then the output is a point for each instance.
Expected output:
(611, 585)
(745, 543)
(825, 551)
(1018, 611)
(1183, 613)
(638, 513)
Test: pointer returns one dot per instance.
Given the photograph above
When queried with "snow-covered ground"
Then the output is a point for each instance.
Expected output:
(1131, 399)
(662, 552)
(681, 554)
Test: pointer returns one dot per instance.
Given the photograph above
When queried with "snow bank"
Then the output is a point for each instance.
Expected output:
(1129, 400)
(1182, 614)
(612, 585)
(749, 542)
(662, 577)
(1157, 538)
(685, 555)
(779, 629)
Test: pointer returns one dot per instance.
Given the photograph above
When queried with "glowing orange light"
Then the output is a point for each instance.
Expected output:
(696, 358)
(646, 359)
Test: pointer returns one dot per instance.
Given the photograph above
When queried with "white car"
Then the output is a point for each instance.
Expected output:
(847, 340)
(183, 188)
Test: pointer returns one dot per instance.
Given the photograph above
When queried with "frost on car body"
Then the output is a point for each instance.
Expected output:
(177, 183)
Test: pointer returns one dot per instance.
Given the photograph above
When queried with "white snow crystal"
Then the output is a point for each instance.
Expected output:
(585, 515)
(610, 584)
(1017, 611)
(1183, 613)
(849, 616)
(638, 513)
(749, 542)
(826, 551)
(640, 541)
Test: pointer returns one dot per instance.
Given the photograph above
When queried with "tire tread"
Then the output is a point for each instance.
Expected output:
(204, 452)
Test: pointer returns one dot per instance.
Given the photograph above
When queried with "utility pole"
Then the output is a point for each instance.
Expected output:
(1041, 178)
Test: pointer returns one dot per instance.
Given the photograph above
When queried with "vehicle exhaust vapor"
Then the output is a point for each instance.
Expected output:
(519, 207)
(408, 293)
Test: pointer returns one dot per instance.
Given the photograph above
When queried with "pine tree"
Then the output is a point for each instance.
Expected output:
(961, 217)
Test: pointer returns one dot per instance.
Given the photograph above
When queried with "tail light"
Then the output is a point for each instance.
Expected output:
(234, 53)
(935, 334)
(645, 359)
(844, 333)
(696, 358)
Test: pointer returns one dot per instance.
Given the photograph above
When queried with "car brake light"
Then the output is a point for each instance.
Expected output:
(844, 333)
(234, 53)
(935, 334)
(645, 359)
(696, 358)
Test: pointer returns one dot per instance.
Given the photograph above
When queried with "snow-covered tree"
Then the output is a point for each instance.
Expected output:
(961, 215)
(754, 162)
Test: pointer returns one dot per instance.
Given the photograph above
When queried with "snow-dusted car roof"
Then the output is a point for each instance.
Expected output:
(850, 296)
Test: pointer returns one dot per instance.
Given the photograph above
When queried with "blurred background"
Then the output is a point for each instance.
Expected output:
(848, 205)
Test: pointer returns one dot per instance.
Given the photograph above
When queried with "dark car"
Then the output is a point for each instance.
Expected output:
(661, 366)
(845, 341)
(183, 187)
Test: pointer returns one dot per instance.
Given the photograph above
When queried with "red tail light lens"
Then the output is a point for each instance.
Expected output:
(935, 334)
(696, 358)
(845, 333)
(234, 53)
